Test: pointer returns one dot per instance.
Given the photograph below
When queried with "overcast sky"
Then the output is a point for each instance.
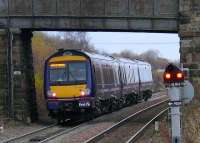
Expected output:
(166, 44)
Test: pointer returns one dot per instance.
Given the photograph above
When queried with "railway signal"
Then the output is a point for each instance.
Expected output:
(174, 81)
(173, 76)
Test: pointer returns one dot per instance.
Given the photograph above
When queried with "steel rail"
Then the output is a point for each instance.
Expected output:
(30, 133)
(139, 132)
(67, 131)
(59, 134)
(120, 123)
(86, 17)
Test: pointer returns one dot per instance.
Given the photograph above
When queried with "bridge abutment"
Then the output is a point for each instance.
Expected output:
(3, 73)
(23, 101)
(189, 32)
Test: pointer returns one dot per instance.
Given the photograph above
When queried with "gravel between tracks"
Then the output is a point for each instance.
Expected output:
(127, 130)
(13, 129)
(99, 124)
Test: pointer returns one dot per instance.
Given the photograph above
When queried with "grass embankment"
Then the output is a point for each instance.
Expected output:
(191, 117)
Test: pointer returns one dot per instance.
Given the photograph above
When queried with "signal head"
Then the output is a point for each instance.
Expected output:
(173, 75)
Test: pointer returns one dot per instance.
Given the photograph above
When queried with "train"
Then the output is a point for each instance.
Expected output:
(79, 83)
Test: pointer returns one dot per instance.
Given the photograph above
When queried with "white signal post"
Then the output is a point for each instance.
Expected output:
(175, 103)
(180, 92)
(174, 81)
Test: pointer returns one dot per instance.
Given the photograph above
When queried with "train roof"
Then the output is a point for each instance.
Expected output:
(110, 58)
(100, 56)
(143, 63)
(124, 60)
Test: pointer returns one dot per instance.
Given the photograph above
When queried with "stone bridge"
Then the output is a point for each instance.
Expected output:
(19, 18)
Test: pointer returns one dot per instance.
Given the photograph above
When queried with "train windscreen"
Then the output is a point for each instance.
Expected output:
(71, 72)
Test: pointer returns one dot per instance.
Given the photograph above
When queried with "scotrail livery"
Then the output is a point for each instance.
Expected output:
(77, 83)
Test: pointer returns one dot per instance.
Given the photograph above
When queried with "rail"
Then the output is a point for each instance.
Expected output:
(136, 135)
(120, 123)
(25, 135)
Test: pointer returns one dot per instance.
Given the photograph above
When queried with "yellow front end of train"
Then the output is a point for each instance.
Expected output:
(68, 84)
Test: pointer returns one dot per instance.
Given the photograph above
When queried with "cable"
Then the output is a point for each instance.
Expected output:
(151, 43)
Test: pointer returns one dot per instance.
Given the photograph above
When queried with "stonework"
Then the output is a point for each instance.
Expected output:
(110, 15)
(189, 32)
(23, 76)
(3, 71)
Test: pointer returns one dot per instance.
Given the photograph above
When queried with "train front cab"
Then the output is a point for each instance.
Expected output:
(68, 85)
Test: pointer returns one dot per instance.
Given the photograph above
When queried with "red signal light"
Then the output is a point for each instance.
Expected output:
(173, 75)
(167, 76)
(179, 75)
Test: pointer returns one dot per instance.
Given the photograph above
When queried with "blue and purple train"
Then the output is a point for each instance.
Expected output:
(78, 83)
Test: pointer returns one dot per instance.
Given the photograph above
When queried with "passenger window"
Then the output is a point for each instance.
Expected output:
(98, 74)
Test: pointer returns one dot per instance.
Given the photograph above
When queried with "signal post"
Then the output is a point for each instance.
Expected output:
(174, 81)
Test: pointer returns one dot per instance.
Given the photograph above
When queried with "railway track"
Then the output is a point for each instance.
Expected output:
(42, 135)
(49, 133)
(129, 129)
(135, 137)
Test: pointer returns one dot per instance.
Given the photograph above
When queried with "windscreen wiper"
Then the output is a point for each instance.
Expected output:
(73, 76)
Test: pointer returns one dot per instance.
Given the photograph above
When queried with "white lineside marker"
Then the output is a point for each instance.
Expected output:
(156, 126)
(1, 129)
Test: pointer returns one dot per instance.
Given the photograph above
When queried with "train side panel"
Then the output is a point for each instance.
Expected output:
(146, 80)
(106, 78)
(130, 77)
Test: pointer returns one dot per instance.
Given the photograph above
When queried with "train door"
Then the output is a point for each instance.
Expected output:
(139, 81)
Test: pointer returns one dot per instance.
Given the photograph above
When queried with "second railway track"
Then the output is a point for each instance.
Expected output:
(128, 129)
(42, 135)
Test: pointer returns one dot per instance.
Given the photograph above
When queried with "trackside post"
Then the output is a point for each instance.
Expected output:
(175, 103)
(174, 81)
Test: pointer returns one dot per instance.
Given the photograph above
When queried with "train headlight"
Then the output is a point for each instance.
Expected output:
(54, 94)
(51, 94)
(82, 93)
(85, 92)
